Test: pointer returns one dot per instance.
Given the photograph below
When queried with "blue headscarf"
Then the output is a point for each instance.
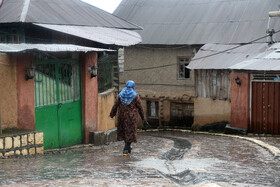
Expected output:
(128, 93)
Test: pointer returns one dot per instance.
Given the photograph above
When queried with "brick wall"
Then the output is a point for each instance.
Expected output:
(24, 144)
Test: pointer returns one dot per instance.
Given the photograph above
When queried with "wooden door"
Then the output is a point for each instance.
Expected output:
(265, 108)
(181, 114)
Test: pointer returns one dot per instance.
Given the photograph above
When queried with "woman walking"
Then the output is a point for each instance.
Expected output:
(128, 105)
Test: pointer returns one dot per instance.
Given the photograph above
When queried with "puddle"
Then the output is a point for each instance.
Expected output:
(176, 166)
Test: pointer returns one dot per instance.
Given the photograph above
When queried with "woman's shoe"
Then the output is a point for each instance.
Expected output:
(125, 153)
(127, 149)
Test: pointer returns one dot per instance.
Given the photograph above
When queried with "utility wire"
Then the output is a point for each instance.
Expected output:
(162, 66)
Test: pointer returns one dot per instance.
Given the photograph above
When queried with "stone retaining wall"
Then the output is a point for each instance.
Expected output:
(29, 143)
(101, 138)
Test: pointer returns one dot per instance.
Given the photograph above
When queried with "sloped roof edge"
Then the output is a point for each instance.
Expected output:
(110, 36)
(221, 56)
(64, 12)
(13, 48)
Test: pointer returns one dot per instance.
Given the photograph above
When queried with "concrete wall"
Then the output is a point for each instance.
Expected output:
(240, 100)
(207, 110)
(8, 91)
(25, 93)
(89, 95)
(105, 103)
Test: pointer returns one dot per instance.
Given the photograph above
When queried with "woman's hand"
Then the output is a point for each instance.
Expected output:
(146, 125)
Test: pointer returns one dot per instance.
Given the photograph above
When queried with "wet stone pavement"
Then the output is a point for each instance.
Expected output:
(158, 159)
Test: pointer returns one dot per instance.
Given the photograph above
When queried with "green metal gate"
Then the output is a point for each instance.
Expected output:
(58, 102)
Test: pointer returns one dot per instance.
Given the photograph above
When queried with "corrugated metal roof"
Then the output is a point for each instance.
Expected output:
(177, 22)
(103, 35)
(266, 61)
(218, 56)
(258, 57)
(12, 48)
(65, 12)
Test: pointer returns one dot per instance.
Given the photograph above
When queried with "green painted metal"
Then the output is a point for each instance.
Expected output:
(58, 102)
(71, 133)
(46, 121)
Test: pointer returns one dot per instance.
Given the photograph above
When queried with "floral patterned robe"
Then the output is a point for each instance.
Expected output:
(127, 118)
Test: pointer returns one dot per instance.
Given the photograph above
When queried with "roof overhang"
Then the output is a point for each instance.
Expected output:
(13, 48)
(255, 57)
(268, 60)
(109, 36)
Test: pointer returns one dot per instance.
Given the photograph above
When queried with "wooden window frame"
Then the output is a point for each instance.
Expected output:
(185, 70)
(12, 35)
(149, 109)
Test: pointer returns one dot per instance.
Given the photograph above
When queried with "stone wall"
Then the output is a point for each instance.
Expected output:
(101, 138)
(164, 105)
(24, 144)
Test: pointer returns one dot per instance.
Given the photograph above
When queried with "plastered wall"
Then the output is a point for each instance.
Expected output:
(25, 93)
(158, 84)
(207, 110)
(8, 92)
(89, 95)
(240, 100)
(105, 103)
(164, 79)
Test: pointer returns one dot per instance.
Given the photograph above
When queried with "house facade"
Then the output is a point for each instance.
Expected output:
(48, 65)
(167, 92)
(188, 26)
(252, 71)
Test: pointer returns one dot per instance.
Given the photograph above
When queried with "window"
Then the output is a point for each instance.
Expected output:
(9, 35)
(181, 114)
(183, 72)
(152, 109)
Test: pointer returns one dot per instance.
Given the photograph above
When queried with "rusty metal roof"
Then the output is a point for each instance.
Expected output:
(12, 48)
(178, 22)
(65, 12)
(259, 57)
(103, 35)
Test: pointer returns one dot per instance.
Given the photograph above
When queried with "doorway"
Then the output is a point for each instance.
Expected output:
(58, 102)
(265, 114)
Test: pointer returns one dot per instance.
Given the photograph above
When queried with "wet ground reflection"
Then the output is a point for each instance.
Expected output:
(158, 159)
